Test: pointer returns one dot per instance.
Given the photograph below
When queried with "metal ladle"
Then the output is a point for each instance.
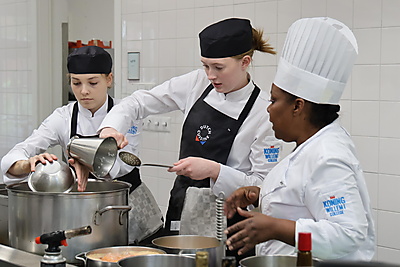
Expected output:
(134, 160)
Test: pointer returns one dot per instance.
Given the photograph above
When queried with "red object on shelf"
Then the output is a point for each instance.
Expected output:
(93, 42)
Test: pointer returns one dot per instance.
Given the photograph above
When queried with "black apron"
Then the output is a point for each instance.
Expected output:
(209, 134)
(133, 177)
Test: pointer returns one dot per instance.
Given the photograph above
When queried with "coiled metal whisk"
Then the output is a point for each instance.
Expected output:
(220, 218)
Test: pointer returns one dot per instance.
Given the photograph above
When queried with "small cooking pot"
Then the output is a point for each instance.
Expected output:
(190, 244)
(160, 260)
(109, 257)
(271, 261)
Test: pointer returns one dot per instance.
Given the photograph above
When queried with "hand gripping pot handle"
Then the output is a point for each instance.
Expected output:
(122, 209)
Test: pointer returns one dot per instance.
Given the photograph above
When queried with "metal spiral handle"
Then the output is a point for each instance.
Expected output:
(221, 222)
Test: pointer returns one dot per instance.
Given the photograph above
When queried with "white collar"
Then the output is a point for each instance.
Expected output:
(102, 111)
(242, 93)
(298, 150)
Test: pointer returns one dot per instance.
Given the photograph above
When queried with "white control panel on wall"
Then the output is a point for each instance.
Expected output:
(133, 65)
(157, 124)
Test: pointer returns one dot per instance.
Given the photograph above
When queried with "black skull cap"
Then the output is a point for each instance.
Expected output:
(226, 38)
(89, 59)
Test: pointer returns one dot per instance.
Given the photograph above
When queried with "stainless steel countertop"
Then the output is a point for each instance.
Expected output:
(14, 257)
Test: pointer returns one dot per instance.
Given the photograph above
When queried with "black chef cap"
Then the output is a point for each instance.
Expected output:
(226, 38)
(89, 59)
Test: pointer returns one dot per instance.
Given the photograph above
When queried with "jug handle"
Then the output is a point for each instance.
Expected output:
(81, 256)
(123, 210)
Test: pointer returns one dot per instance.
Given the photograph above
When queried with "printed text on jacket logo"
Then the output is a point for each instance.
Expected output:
(334, 206)
(203, 134)
(272, 153)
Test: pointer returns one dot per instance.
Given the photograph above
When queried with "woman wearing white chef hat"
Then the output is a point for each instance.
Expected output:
(319, 187)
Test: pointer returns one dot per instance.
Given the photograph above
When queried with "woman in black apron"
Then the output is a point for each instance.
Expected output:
(223, 113)
(81, 63)
(90, 76)
(225, 129)
(145, 217)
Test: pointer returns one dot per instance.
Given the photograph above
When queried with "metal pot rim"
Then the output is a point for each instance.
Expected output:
(214, 240)
(246, 260)
(106, 250)
(12, 188)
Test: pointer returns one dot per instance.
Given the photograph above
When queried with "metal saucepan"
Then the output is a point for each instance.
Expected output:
(271, 261)
(161, 260)
(109, 256)
(190, 244)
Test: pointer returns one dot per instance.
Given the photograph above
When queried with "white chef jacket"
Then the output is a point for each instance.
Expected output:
(321, 186)
(250, 158)
(56, 130)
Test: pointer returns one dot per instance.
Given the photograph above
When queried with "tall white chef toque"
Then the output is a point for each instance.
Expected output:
(317, 59)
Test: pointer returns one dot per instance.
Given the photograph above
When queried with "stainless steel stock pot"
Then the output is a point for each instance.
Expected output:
(103, 206)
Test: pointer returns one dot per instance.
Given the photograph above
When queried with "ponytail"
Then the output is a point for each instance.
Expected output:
(259, 44)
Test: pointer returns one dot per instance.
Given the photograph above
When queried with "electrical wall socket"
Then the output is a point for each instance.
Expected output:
(157, 124)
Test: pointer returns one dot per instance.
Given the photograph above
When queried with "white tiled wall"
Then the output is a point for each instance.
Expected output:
(17, 107)
(165, 33)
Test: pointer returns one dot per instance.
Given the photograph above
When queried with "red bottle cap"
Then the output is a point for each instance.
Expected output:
(304, 242)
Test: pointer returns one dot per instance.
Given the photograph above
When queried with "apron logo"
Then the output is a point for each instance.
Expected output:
(203, 134)
(272, 153)
(334, 206)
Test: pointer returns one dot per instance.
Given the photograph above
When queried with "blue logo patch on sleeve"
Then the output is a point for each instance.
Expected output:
(272, 153)
(133, 129)
(334, 206)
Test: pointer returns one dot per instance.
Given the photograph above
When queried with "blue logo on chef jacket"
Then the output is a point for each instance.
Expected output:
(133, 129)
(203, 134)
(334, 205)
(272, 153)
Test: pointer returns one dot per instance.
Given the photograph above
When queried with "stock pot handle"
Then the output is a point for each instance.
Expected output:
(122, 209)
(190, 255)
(81, 256)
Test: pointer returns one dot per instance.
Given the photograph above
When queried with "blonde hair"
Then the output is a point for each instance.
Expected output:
(258, 43)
